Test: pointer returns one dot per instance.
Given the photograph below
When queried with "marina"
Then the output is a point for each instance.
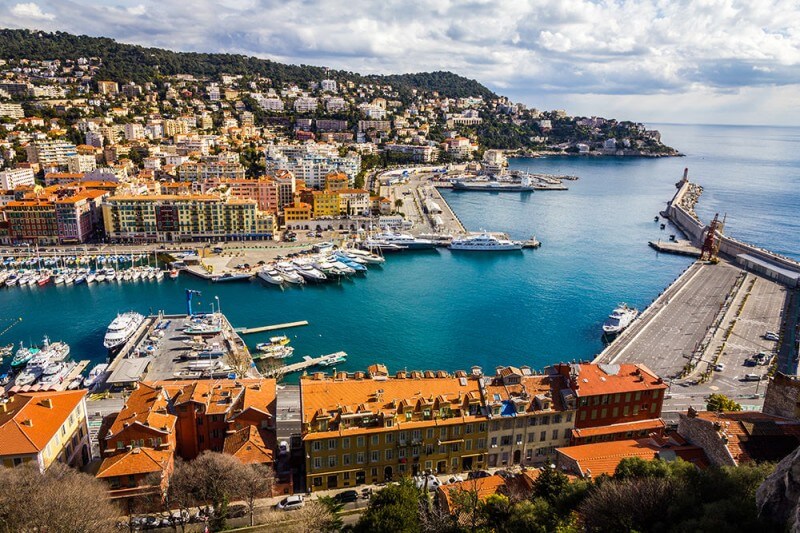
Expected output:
(307, 362)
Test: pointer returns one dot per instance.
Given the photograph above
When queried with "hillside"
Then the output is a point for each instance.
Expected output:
(126, 62)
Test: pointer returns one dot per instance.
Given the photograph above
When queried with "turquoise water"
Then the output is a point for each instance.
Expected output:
(449, 311)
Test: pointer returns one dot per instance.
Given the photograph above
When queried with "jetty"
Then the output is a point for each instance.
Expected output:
(307, 362)
(247, 331)
(679, 247)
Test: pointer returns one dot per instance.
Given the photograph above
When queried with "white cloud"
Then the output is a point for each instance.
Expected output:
(31, 11)
(534, 50)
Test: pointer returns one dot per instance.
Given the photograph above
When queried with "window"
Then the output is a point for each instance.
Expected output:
(415, 451)
(360, 458)
(653, 407)
(442, 433)
(317, 462)
(468, 428)
(120, 445)
(359, 442)
(638, 395)
(555, 434)
(519, 438)
(615, 412)
(605, 398)
(389, 455)
(569, 417)
(543, 436)
(429, 433)
(428, 465)
(603, 412)
(468, 444)
(375, 440)
(401, 453)
(532, 421)
(331, 461)
(416, 434)
(389, 438)
(531, 436)
(505, 440)
(494, 442)
(428, 449)
(528, 454)
(635, 410)
(482, 427)
(617, 397)
(545, 420)
(556, 419)
(318, 481)
(346, 459)
(626, 410)
(346, 443)
(317, 445)
(594, 414)
(403, 436)
(655, 394)
(375, 456)
(495, 425)
(456, 431)
(627, 396)
(481, 444)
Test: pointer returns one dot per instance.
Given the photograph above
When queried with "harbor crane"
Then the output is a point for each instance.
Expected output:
(710, 249)
(190, 294)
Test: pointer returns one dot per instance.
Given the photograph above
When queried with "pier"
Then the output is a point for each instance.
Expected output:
(248, 331)
(679, 247)
(307, 362)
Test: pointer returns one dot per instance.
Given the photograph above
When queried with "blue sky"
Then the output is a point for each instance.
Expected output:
(708, 61)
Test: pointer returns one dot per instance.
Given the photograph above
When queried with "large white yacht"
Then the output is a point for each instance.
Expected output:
(121, 329)
(404, 239)
(484, 242)
(619, 319)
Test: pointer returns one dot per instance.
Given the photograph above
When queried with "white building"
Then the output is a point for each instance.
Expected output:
(335, 103)
(373, 112)
(94, 138)
(305, 104)
(134, 132)
(81, 163)
(271, 104)
(328, 85)
(13, 178)
(8, 109)
(50, 153)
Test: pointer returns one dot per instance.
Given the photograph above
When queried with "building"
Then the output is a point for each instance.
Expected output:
(81, 163)
(163, 419)
(592, 460)
(306, 104)
(213, 171)
(133, 131)
(733, 438)
(337, 103)
(354, 202)
(613, 401)
(50, 153)
(168, 218)
(78, 217)
(377, 125)
(312, 168)
(372, 428)
(12, 178)
(107, 87)
(418, 153)
(783, 396)
(325, 203)
(297, 212)
(44, 427)
(529, 417)
(32, 220)
(328, 85)
(8, 109)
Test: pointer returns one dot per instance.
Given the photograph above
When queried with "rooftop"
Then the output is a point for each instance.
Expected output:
(29, 420)
(754, 436)
(588, 379)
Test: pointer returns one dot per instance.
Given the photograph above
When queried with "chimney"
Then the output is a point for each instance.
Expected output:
(46, 402)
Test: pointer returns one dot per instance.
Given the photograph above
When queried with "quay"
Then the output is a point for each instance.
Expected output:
(247, 331)
(679, 247)
(161, 349)
(307, 362)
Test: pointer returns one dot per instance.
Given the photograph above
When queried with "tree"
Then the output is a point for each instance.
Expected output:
(255, 481)
(181, 489)
(467, 507)
(394, 509)
(550, 484)
(628, 505)
(60, 500)
(215, 483)
(720, 402)
(319, 516)
(398, 203)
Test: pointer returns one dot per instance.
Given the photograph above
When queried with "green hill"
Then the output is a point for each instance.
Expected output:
(126, 62)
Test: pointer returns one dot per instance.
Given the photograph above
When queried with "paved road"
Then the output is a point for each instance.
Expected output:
(670, 334)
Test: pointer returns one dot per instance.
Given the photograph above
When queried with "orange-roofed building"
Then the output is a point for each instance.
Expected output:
(482, 487)
(733, 438)
(299, 211)
(359, 429)
(592, 460)
(615, 401)
(44, 427)
(165, 418)
(336, 182)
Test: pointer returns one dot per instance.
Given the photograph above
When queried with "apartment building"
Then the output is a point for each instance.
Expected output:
(50, 153)
(81, 163)
(325, 203)
(354, 202)
(78, 216)
(163, 419)
(529, 417)
(44, 427)
(167, 218)
(12, 178)
(210, 171)
(369, 428)
(32, 220)
(8, 109)
(306, 104)
(312, 168)
(613, 402)
(107, 87)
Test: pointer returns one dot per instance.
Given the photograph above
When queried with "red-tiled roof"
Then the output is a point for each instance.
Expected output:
(29, 420)
(639, 425)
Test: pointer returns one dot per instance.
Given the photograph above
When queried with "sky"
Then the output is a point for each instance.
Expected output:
(705, 61)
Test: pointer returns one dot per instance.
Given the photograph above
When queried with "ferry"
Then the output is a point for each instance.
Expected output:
(619, 319)
(484, 242)
(121, 329)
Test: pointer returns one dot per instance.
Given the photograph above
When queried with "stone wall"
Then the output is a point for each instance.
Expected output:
(703, 433)
(782, 396)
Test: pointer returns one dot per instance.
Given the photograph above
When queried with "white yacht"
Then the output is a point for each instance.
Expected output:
(55, 373)
(404, 239)
(619, 319)
(289, 273)
(309, 272)
(95, 375)
(484, 242)
(270, 275)
(121, 329)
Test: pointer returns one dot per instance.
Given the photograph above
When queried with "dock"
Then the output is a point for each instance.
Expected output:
(307, 362)
(247, 331)
(80, 367)
(679, 247)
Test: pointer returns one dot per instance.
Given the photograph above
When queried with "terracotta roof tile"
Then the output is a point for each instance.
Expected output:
(135, 462)
(29, 420)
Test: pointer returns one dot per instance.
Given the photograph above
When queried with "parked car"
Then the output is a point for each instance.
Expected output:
(432, 482)
(346, 497)
(290, 503)
(752, 377)
(771, 336)
(719, 367)
(478, 474)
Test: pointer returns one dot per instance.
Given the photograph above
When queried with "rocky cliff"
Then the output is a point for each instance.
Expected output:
(778, 497)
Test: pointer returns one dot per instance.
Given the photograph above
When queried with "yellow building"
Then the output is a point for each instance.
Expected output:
(167, 218)
(299, 211)
(368, 428)
(44, 427)
(326, 204)
(336, 181)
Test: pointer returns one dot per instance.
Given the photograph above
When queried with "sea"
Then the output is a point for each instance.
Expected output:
(447, 311)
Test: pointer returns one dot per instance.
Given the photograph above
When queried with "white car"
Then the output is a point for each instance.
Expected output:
(290, 503)
(431, 480)
(771, 336)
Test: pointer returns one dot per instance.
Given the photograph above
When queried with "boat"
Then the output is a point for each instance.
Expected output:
(276, 352)
(231, 277)
(91, 278)
(484, 242)
(28, 376)
(381, 246)
(203, 327)
(619, 319)
(54, 351)
(326, 268)
(173, 274)
(282, 340)
(121, 329)
(289, 273)
(80, 279)
(333, 360)
(367, 256)
(55, 373)
(404, 239)
(270, 275)
(43, 280)
(524, 185)
(76, 383)
(99, 277)
(348, 262)
(58, 280)
(309, 272)
(95, 375)
(23, 355)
